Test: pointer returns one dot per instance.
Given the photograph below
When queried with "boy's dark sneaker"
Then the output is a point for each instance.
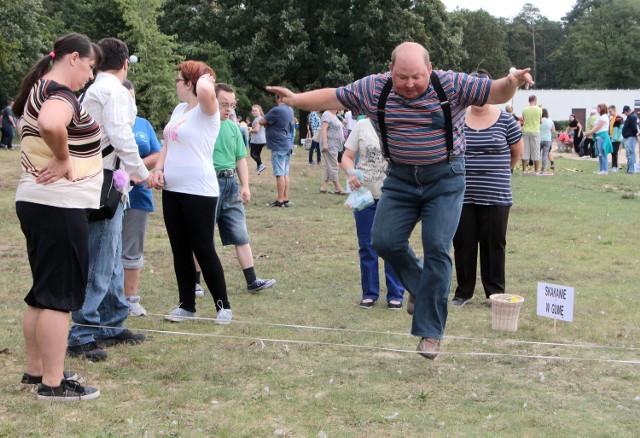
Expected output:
(126, 336)
(276, 204)
(260, 284)
(28, 379)
(69, 390)
(459, 302)
(90, 351)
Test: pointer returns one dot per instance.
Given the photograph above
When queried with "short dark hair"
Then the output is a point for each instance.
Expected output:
(545, 113)
(532, 98)
(480, 73)
(221, 86)
(114, 54)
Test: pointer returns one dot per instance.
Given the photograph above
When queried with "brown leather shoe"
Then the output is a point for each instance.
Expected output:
(428, 348)
(411, 304)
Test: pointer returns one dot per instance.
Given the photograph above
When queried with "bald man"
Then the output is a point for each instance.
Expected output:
(425, 182)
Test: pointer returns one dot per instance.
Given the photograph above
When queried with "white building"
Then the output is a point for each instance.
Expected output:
(561, 103)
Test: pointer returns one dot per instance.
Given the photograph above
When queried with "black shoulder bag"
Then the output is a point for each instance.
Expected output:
(109, 195)
(444, 104)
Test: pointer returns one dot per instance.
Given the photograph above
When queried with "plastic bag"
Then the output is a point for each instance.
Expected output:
(359, 199)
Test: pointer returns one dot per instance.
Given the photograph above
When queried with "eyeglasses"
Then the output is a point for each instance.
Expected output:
(180, 80)
(228, 105)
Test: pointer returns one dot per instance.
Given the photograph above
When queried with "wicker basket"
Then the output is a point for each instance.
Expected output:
(505, 309)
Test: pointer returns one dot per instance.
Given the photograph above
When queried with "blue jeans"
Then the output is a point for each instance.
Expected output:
(104, 304)
(630, 146)
(602, 158)
(432, 194)
(369, 260)
(230, 216)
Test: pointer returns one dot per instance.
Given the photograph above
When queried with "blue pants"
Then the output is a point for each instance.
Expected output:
(369, 275)
(104, 304)
(630, 145)
(432, 195)
(603, 161)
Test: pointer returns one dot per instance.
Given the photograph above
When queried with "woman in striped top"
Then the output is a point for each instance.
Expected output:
(493, 146)
(61, 177)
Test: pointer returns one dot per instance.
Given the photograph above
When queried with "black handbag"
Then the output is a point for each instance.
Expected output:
(109, 195)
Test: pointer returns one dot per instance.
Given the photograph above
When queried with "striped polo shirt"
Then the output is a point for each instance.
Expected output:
(488, 162)
(415, 128)
(83, 140)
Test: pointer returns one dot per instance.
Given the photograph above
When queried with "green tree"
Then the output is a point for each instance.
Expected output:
(155, 71)
(601, 47)
(550, 37)
(483, 42)
(531, 42)
(308, 45)
(25, 36)
(96, 19)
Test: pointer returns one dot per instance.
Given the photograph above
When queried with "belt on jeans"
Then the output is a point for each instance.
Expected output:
(229, 173)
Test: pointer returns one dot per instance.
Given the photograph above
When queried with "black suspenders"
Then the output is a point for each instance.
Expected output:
(444, 104)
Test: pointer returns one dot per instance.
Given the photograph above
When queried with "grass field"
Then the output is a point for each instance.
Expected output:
(303, 360)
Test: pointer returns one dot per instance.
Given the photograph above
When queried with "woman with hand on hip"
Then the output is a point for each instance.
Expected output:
(61, 178)
(184, 171)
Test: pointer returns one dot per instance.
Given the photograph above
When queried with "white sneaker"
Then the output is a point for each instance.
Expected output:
(135, 309)
(224, 316)
(199, 291)
(179, 315)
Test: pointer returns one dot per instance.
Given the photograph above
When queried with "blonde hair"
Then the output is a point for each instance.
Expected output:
(259, 109)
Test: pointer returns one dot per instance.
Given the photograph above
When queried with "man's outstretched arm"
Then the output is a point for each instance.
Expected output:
(322, 99)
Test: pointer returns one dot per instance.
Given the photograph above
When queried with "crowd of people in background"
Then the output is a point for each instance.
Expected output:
(604, 133)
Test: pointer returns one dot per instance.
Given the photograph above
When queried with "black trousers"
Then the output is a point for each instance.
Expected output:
(7, 137)
(484, 226)
(255, 149)
(614, 154)
(190, 222)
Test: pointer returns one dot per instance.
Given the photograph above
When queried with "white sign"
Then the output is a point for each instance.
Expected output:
(555, 301)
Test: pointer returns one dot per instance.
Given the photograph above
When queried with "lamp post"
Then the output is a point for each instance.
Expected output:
(133, 59)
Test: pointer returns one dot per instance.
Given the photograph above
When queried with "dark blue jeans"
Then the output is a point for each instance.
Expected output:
(369, 275)
(314, 147)
(432, 195)
(7, 137)
(105, 305)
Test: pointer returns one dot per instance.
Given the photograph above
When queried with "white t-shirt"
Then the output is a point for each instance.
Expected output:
(190, 138)
(351, 122)
(605, 126)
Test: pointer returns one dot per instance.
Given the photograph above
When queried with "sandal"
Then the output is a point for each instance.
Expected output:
(323, 190)
(340, 192)
(366, 303)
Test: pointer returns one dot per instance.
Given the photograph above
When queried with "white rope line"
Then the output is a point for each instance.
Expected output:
(453, 337)
(372, 347)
